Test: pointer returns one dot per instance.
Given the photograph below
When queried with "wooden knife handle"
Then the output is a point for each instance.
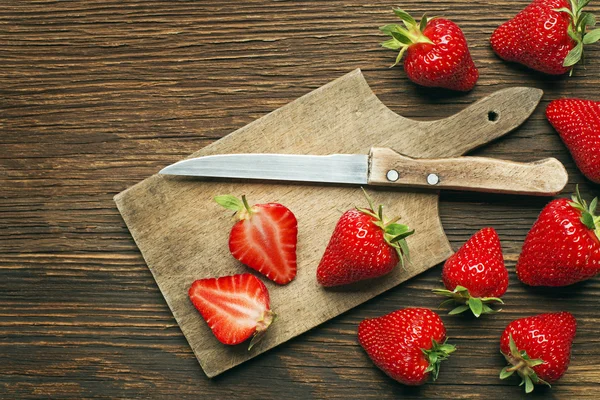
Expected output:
(480, 174)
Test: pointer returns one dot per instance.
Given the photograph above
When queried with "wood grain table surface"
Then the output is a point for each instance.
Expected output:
(96, 96)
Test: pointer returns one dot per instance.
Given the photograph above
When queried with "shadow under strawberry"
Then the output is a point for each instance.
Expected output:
(579, 290)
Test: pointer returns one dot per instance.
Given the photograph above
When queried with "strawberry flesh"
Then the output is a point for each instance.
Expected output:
(264, 238)
(234, 307)
(266, 241)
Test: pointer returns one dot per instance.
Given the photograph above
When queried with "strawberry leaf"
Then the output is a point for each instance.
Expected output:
(489, 310)
(513, 346)
(593, 205)
(476, 306)
(391, 44)
(230, 202)
(423, 23)
(505, 373)
(574, 56)
(388, 29)
(588, 220)
(459, 309)
(592, 36)
(405, 252)
(583, 3)
(587, 19)
(528, 384)
(405, 17)
(446, 302)
(565, 10)
(399, 56)
(401, 37)
(537, 362)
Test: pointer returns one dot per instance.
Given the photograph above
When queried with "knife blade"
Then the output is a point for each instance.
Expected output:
(384, 167)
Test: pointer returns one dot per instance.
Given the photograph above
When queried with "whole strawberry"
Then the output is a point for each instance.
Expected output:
(264, 238)
(547, 36)
(407, 344)
(578, 124)
(563, 246)
(235, 307)
(538, 348)
(436, 50)
(362, 246)
(475, 275)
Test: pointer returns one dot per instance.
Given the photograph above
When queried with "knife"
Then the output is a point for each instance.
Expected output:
(385, 167)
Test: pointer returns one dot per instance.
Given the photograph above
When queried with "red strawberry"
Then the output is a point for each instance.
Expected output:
(578, 124)
(437, 54)
(362, 246)
(475, 274)
(234, 307)
(264, 238)
(563, 246)
(547, 36)
(538, 348)
(407, 344)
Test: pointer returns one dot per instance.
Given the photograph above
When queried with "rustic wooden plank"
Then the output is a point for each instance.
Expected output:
(131, 86)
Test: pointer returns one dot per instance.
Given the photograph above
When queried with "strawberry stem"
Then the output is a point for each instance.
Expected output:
(521, 363)
(246, 205)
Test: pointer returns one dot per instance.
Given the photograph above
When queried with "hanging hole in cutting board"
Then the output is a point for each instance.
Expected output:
(492, 116)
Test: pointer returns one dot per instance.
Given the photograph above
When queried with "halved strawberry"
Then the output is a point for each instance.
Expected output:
(234, 307)
(264, 238)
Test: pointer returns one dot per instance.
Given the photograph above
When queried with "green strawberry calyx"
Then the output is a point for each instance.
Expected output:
(460, 295)
(580, 21)
(588, 212)
(395, 234)
(523, 365)
(405, 36)
(436, 354)
(241, 207)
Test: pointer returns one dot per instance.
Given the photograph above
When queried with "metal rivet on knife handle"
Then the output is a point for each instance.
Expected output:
(392, 175)
(433, 179)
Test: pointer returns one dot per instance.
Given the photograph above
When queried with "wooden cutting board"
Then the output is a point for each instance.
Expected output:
(182, 233)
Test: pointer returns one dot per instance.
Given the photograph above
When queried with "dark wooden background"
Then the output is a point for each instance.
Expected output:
(96, 96)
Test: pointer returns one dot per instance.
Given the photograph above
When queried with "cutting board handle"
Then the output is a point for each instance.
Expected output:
(478, 124)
